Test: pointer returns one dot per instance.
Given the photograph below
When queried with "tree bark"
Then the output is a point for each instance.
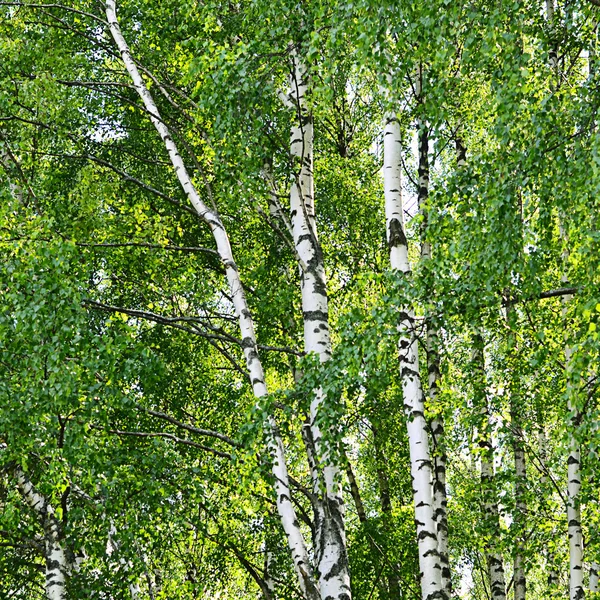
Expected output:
(490, 503)
(57, 564)
(330, 550)
(420, 457)
(594, 578)
(520, 516)
(440, 499)
(285, 507)
(576, 589)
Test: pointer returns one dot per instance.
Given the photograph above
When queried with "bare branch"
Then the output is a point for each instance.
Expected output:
(149, 245)
(192, 429)
(168, 436)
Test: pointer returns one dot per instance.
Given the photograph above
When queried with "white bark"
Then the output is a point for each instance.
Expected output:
(440, 500)
(520, 582)
(576, 589)
(594, 578)
(520, 515)
(490, 503)
(57, 564)
(330, 551)
(420, 457)
(112, 545)
(285, 507)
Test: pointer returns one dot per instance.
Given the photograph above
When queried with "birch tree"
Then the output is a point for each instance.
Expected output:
(239, 384)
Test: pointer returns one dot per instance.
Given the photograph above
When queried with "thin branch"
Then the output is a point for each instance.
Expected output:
(149, 245)
(193, 429)
(61, 6)
(168, 436)
(221, 335)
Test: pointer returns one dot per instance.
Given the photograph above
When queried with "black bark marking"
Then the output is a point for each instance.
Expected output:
(397, 236)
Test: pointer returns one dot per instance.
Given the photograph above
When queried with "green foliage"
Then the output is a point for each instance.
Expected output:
(118, 337)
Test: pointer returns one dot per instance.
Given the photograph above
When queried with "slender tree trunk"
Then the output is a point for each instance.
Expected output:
(594, 578)
(114, 546)
(576, 589)
(57, 564)
(552, 579)
(440, 500)
(330, 550)
(490, 503)
(520, 515)
(520, 582)
(420, 457)
(285, 506)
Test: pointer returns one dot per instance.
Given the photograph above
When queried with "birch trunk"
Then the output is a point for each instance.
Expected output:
(114, 546)
(440, 500)
(420, 457)
(594, 578)
(520, 581)
(520, 516)
(552, 579)
(57, 564)
(576, 589)
(490, 503)
(285, 507)
(330, 549)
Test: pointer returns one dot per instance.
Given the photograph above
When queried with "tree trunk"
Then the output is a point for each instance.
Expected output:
(420, 457)
(57, 564)
(285, 506)
(440, 500)
(594, 575)
(490, 503)
(576, 589)
(520, 582)
(330, 551)
(552, 579)
(520, 516)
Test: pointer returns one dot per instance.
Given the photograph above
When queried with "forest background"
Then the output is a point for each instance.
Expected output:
(299, 299)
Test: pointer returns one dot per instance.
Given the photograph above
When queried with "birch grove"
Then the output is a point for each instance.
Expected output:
(299, 301)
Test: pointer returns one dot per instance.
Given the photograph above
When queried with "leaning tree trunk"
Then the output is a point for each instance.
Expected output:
(57, 563)
(285, 507)
(420, 458)
(490, 503)
(331, 558)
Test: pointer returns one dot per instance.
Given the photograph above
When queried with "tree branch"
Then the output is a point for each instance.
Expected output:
(159, 434)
